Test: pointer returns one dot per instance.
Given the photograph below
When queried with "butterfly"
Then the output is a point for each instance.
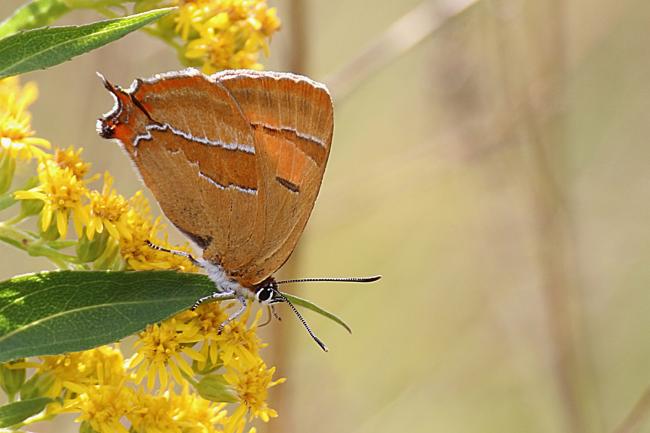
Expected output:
(235, 161)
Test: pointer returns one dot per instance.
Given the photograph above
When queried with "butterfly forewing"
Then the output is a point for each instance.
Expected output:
(195, 164)
(235, 160)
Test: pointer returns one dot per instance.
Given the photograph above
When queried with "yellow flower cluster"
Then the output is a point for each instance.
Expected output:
(16, 135)
(105, 390)
(63, 192)
(230, 360)
(185, 376)
(221, 34)
(128, 223)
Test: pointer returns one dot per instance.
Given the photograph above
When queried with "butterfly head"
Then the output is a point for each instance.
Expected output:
(267, 292)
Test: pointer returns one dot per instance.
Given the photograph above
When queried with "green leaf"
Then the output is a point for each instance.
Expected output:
(13, 413)
(45, 47)
(315, 308)
(56, 312)
(36, 13)
(66, 311)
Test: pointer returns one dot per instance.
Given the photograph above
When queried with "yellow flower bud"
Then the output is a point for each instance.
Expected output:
(52, 233)
(30, 207)
(90, 250)
(110, 258)
(11, 379)
(206, 367)
(7, 169)
(86, 428)
(215, 388)
(37, 386)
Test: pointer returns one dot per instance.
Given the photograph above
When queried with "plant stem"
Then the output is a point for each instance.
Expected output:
(32, 245)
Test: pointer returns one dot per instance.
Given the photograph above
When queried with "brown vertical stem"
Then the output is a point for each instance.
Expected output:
(279, 348)
(552, 224)
(558, 287)
(297, 56)
(543, 133)
(553, 227)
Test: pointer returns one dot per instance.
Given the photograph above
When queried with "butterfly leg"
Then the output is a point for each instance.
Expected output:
(216, 296)
(175, 252)
(275, 313)
(235, 315)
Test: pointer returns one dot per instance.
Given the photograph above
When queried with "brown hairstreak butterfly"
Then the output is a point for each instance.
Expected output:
(235, 161)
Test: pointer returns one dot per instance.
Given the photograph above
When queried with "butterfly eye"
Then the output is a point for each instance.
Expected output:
(264, 295)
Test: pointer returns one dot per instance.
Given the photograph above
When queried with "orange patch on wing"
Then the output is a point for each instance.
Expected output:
(289, 160)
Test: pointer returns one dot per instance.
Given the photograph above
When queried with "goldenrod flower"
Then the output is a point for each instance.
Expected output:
(252, 384)
(161, 346)
(196, 414)
(153, 414)
(188, 16)
(103, 365)
(223, 34)
(11, 86)
(15, 97)
(62, 194)
(134, 249)
(16, 134)
(215, 52)
(103, 407)
(71, 158)
(108, 210)
(236, 422)
(209, 316)
(239, 344)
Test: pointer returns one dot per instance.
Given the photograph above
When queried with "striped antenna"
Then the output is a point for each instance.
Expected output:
(333, 280)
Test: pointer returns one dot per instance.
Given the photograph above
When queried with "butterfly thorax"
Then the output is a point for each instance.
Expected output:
(220, 277)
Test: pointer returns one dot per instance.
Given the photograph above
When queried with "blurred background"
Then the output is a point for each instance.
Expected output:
(491, 161)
